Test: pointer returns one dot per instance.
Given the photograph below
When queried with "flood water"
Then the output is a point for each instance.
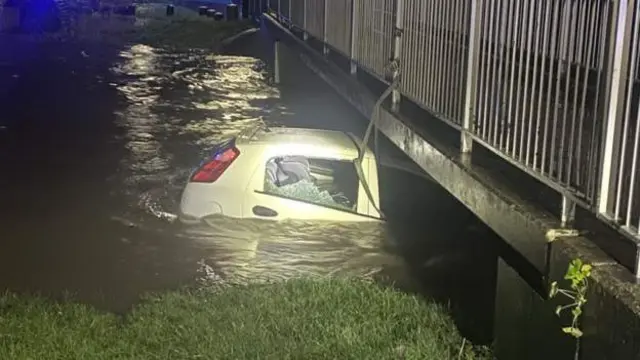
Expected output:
(96, 142)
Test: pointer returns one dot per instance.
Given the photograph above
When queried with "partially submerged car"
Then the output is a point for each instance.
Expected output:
(285, 173)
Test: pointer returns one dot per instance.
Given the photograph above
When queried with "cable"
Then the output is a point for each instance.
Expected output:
(374, 115)
(393, 66)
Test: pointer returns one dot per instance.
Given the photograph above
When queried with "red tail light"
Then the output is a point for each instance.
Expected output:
(211, 170)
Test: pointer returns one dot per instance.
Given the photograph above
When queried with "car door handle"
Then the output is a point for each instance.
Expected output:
(264, 211)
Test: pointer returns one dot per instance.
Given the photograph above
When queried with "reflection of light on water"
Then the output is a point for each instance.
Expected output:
(180, 104)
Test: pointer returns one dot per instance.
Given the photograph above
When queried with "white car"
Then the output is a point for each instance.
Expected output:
(285, 173)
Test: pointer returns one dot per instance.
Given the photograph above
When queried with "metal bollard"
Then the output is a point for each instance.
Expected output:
(217, 16)
(170, 10)
(231, 12)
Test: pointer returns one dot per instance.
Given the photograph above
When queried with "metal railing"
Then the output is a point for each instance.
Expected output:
(285, 9)
(314, 18)
(434, 55)
(273, 5)
(297, 13)
(551, 86)
(619, 201)
(338, 25)
(541, 71)
(373, 37)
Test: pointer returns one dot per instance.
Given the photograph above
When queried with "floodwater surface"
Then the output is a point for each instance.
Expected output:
(96, 143)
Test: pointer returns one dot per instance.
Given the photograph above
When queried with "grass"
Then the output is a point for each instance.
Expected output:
(299, 319)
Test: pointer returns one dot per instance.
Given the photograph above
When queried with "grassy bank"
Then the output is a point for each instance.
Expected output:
(302, 319)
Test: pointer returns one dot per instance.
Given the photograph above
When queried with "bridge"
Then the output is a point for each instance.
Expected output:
(527, 112)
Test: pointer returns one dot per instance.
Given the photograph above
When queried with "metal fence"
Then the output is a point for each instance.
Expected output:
(434, 56)
(619, 201)
(541, 71)
(373, 44)
(285, 9)
(338, 25)
(297, 13)
(273, 5)
(553, 87)
(314, 18)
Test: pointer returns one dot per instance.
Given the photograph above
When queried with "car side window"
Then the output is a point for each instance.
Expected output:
(331, 183)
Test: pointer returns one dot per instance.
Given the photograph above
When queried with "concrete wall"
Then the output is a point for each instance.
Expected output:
(525, 325)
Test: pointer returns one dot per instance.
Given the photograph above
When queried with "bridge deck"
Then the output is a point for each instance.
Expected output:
(569, 162)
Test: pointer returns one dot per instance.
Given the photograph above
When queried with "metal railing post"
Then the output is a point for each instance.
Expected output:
(276, 61)
(354, 37)
(473, 64)
(568, 211)
(325, 48)
(305, 34)
(621, 35)
(397, 51)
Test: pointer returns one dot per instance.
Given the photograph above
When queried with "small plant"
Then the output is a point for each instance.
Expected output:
(578, 274)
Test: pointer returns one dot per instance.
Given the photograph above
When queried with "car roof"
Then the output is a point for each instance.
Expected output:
(336, 142)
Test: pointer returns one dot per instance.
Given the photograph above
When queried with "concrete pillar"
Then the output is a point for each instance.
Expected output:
(276, 61)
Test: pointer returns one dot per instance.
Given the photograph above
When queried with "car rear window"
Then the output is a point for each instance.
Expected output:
(324, 182)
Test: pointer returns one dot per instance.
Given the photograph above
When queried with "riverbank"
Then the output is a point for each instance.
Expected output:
(339, 319)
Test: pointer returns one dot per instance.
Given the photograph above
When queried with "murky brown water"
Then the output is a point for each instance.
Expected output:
(95, 148)
(164, 137)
